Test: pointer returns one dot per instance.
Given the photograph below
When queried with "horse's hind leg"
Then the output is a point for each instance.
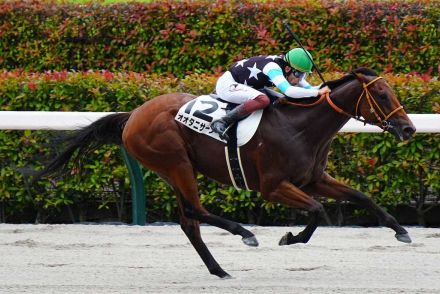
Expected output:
(329, 187)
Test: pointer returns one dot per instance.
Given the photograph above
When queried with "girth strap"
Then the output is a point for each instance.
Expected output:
(233, 161)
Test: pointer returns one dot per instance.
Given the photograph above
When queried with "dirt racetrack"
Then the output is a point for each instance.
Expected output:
(159, 259)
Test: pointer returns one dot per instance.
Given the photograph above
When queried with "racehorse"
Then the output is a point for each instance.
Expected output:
(285, 160)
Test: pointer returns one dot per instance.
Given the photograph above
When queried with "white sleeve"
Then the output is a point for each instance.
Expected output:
(303, 83)
(275, 74)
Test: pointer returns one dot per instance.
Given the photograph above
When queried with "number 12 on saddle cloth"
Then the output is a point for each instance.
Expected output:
(198, 114)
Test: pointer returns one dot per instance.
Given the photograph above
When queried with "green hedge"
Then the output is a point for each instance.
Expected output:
(190, 39)
(180, 37)
(390, 172)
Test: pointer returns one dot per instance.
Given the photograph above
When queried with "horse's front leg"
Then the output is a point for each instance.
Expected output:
(288, 194)
(329, 187)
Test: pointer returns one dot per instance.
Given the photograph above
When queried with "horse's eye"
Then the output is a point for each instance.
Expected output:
(383, 96)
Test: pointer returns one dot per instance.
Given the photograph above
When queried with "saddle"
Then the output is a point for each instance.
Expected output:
(198, 114)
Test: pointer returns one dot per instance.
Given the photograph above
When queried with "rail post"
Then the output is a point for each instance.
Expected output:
(137, 189)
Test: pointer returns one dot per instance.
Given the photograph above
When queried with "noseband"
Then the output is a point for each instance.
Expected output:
(381, 117)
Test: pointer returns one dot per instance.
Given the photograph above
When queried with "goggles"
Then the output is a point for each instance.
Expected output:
(298, 74)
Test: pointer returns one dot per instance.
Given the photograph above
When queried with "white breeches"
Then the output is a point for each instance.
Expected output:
(229, 90)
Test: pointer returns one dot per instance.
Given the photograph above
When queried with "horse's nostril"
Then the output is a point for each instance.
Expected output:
(409, 131)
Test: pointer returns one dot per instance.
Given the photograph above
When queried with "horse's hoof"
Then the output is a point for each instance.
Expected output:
(226, 277)
(286, 239)
(403, 238)
(250, 241)
(219, 272)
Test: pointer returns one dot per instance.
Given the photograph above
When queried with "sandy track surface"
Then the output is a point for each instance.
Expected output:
(159, 259)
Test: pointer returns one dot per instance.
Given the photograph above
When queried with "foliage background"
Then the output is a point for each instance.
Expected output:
(66, 57)
(206, 36)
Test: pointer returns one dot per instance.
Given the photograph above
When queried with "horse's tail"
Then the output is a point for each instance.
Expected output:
(106, 130)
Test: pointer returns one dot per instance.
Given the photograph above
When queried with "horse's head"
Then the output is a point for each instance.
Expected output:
(379, 105)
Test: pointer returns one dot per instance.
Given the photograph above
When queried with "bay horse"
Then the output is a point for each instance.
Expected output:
(285, 160)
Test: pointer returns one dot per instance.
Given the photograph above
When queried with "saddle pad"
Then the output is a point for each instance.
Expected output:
(198, 114)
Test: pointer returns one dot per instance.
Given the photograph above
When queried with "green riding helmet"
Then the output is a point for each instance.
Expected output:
(298, 59)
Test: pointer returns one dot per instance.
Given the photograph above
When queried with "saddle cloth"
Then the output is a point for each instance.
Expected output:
(198, 114)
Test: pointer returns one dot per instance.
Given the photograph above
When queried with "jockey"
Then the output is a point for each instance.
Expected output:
(240, 83)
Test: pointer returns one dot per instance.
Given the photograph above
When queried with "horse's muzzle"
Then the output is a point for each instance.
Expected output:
(403, 131)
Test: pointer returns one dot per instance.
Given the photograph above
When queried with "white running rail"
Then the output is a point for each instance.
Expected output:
(58, 120)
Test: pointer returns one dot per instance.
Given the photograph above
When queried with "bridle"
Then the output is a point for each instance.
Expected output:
(375, 109)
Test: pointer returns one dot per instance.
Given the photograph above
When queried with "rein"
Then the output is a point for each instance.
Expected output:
(385, 124)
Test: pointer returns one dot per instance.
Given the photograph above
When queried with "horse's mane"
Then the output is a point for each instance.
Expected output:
(331, 84)
(362, 70)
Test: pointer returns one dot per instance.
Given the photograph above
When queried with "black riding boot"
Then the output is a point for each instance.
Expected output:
(220, 126)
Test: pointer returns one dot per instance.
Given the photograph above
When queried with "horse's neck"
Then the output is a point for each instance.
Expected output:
(322, 122)
(347, 95)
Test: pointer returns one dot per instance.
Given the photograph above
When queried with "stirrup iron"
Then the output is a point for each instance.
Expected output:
(226, 130)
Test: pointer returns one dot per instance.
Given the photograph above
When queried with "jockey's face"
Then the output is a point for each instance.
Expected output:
(291, 78)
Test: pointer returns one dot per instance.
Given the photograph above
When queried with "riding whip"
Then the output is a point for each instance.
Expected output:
(300, 44)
